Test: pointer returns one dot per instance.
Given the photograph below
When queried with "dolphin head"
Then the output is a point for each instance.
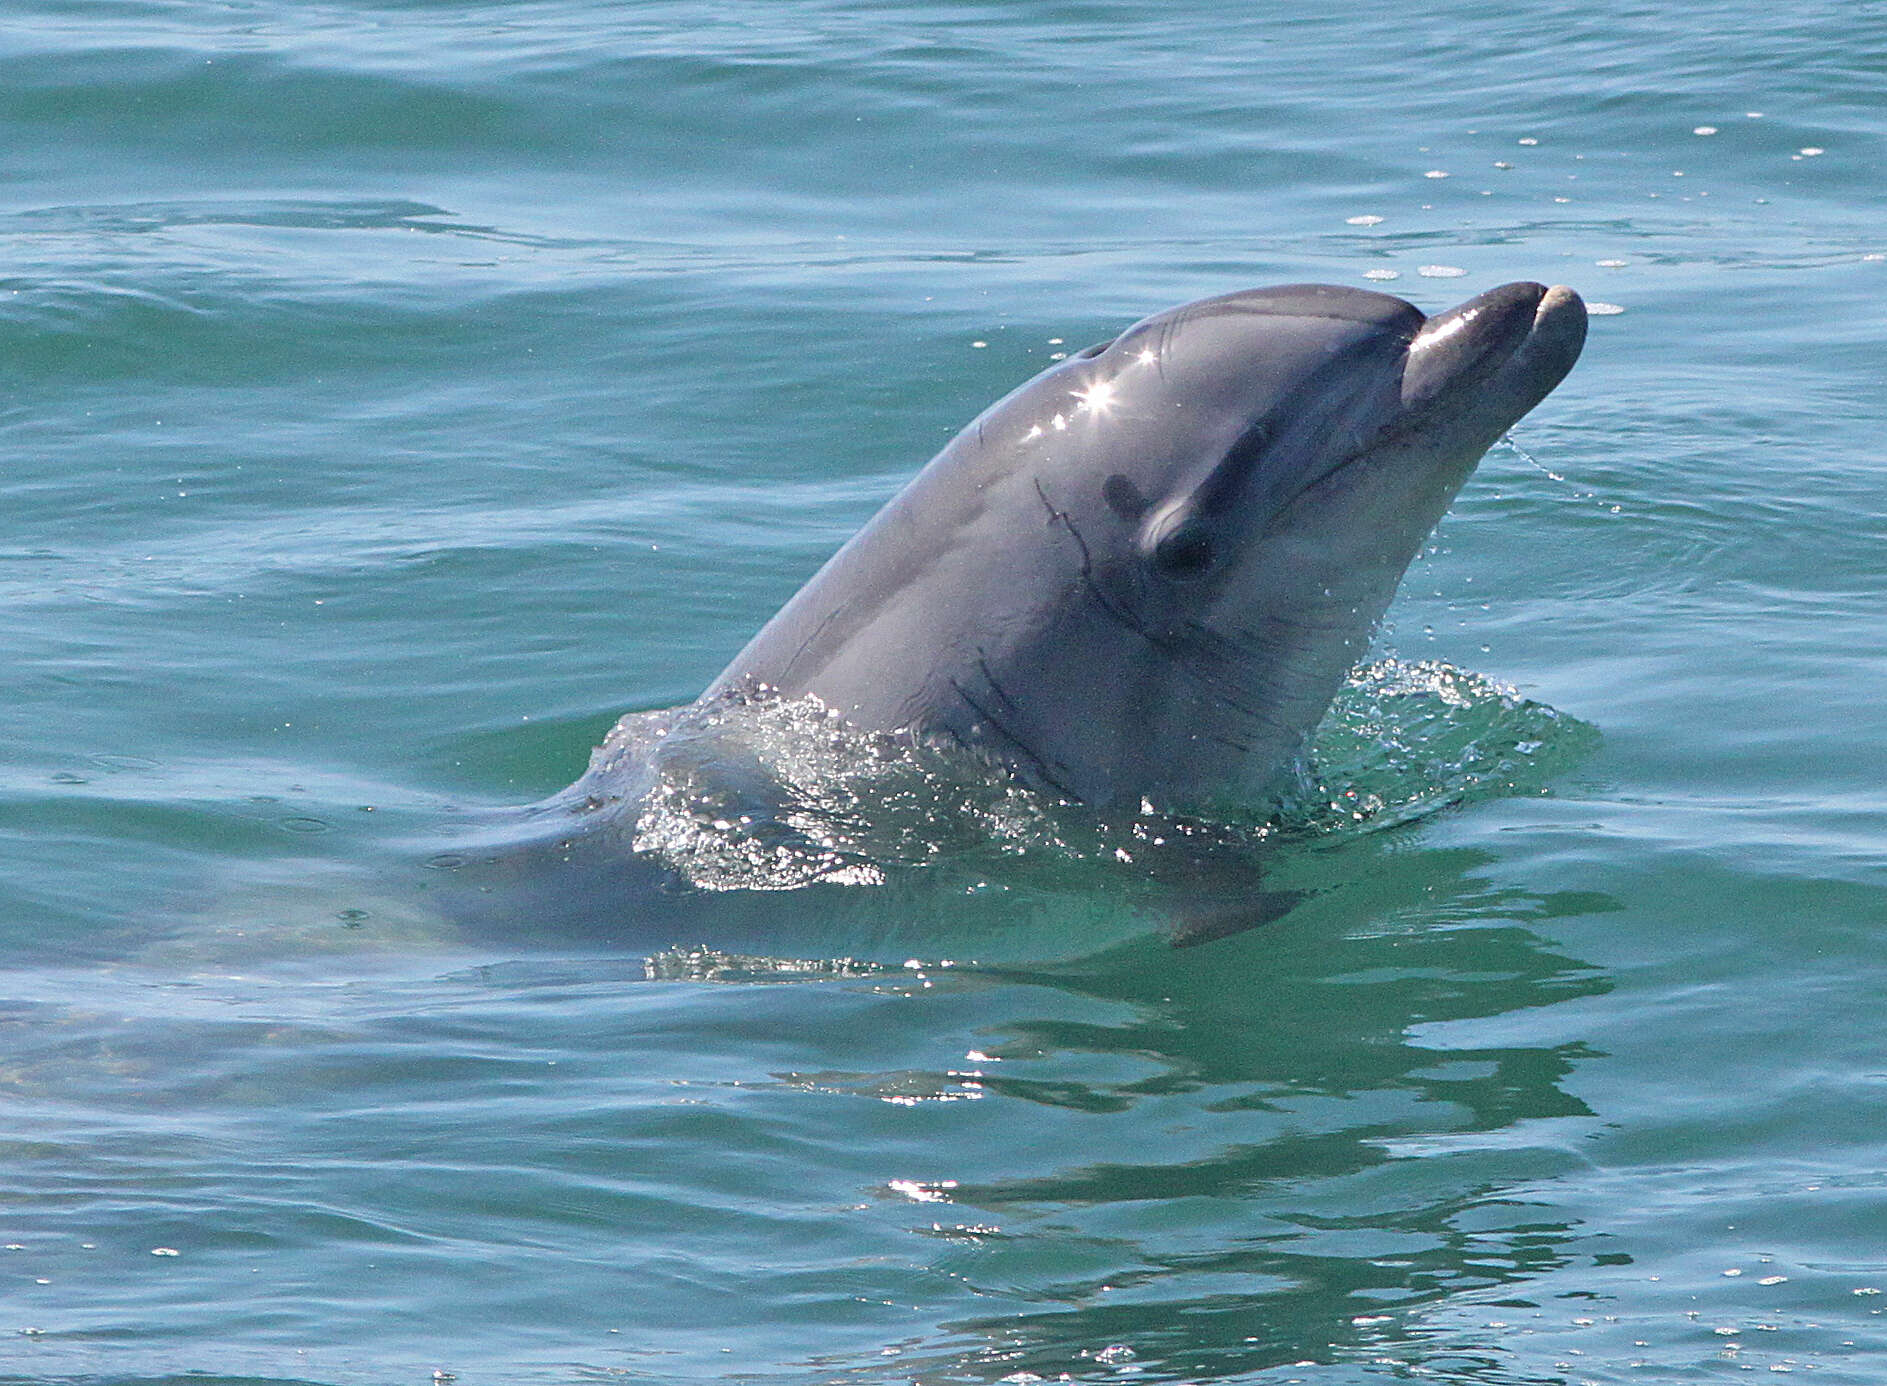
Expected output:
(1141, 577)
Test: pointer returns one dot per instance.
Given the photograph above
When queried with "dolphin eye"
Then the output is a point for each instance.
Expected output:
(1123, 497)
(1185, 553)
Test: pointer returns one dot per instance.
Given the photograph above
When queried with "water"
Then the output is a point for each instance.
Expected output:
(395, 394)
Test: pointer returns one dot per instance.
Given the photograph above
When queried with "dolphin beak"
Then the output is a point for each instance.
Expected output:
(1505, 349)
(1550, 349)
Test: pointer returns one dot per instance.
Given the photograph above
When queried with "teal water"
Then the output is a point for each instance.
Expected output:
(392, 395)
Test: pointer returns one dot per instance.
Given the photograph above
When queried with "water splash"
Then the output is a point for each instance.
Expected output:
(766, 793)
(1406, 739)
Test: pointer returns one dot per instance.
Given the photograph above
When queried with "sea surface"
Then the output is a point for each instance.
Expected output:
(395, 393)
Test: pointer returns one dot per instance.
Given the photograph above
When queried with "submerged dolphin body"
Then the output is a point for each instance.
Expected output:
(1142, 576)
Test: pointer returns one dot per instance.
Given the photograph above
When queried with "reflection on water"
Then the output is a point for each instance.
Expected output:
(1264, 1152)
(1281, 1147)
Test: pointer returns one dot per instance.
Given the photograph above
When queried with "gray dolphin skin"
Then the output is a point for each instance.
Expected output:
(1140, 578)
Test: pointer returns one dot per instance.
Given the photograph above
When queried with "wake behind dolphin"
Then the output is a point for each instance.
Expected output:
(1135, 583)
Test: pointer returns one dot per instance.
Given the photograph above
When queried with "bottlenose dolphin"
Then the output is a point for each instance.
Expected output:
(1141, 577)
(1136, 583)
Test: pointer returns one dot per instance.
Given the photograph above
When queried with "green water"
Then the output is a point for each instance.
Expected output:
(396, 394)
